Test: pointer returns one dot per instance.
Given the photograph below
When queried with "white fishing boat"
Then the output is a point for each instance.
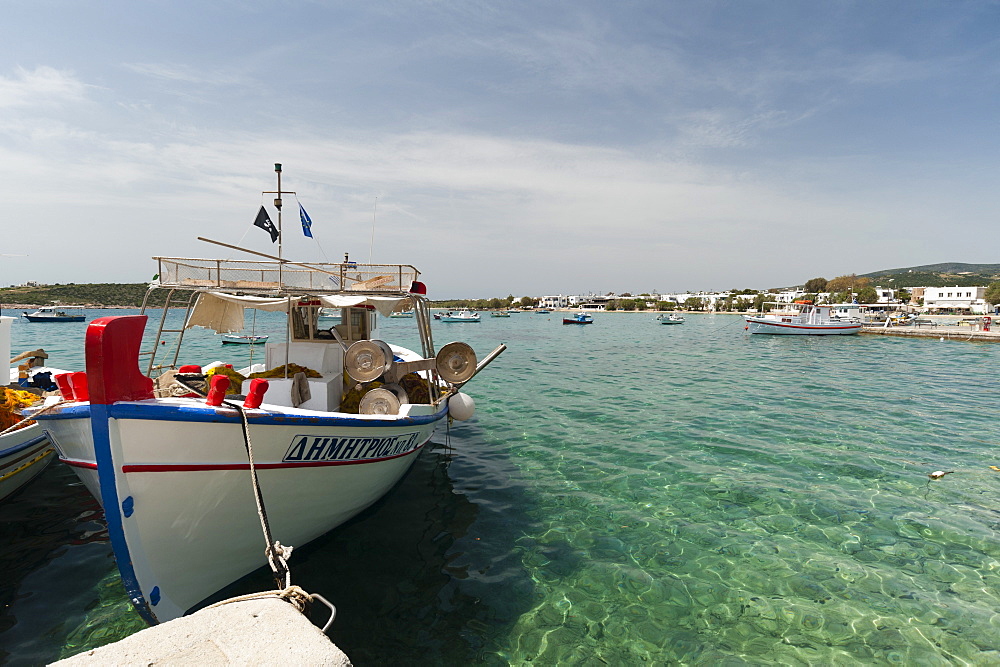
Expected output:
(25, 450)
(55, 314)
(499, 313)
(236, 339)
(335, 423)
(800, 318)
(403, 314)
(672, 318)
(460, 316)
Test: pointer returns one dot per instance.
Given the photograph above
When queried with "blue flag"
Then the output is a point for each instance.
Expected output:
(306, 222)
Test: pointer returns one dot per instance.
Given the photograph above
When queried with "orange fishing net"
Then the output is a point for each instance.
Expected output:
(11, 402)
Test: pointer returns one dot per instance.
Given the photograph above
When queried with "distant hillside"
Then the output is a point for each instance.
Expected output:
(938, 275)
(92, 294)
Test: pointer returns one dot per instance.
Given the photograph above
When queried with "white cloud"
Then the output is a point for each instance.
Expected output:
(43, 86)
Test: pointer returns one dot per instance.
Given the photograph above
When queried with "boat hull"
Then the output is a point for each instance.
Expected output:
(24, 454)
(244, 340)
(67, 318)
(173, 477)
(578, 321)
(761, 326)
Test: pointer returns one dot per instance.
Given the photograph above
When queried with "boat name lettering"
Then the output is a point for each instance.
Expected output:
(320, 448)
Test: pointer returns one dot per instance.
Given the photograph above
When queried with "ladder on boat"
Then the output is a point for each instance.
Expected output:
(185, 299)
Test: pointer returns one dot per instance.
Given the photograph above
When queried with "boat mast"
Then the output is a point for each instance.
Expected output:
(277, 205)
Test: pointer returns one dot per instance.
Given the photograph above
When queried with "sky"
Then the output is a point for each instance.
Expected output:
(515, 147)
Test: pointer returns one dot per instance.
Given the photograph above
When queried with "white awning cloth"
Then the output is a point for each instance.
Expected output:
(223, 313)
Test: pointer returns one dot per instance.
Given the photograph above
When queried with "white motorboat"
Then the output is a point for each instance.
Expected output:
(235, 339)
(460, 316)
(332, 426)
(801, 318)
(672, 318)
(55, 314)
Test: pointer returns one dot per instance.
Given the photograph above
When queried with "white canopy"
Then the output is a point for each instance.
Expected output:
(223, 312)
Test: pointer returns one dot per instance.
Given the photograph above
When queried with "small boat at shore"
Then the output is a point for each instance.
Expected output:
(233, 339)
(185, 459)
(499, 313)
(53, 314)
(579, 318)
(802, 319)
(672, 318)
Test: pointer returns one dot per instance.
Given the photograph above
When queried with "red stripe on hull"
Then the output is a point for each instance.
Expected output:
(195, 467)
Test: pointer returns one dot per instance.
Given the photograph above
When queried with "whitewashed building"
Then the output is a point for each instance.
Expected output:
(959, 300)
(557, 301)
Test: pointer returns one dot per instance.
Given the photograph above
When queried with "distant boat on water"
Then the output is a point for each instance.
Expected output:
(231, 339)
(52, 314)
(579, 318)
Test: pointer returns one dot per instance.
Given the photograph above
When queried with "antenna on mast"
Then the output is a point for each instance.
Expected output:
(277, 205)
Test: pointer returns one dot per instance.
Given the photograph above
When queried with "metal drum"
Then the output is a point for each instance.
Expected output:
(456, 362)
(367, 360)
(385, 400)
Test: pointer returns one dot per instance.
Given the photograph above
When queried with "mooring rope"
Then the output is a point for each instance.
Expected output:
(277, 554)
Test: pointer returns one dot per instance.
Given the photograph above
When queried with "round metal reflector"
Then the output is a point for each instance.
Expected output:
(379, 402)
(365, 360)
(456, 362)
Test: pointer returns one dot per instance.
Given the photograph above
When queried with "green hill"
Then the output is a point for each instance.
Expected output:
(938, 275)
(72, 294)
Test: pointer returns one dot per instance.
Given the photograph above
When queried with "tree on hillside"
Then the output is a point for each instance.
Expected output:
(851, 283)
(527, 302)
(867, 295)
(816, 285)
(992, 295)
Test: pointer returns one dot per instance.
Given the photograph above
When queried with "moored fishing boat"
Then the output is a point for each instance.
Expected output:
(460, 316)
(234, 339)
(335, 422)
(25, 450)
(579, 318)
(803, 319)
(499, 313)
(672, 318)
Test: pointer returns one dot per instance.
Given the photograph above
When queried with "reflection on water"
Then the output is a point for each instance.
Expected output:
(631, 493)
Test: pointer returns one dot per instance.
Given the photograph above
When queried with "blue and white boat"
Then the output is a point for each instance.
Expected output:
(338, 420)
(579, 318)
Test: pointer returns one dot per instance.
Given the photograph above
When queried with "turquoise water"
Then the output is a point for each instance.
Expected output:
(628, 492)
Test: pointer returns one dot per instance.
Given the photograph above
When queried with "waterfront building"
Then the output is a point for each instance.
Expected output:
(956, 300)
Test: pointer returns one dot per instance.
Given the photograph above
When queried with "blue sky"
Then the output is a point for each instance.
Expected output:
(512, 147)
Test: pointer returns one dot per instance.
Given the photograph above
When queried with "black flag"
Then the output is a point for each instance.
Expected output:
(264, 222)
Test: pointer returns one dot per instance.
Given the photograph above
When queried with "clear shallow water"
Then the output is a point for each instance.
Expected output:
(628, 492)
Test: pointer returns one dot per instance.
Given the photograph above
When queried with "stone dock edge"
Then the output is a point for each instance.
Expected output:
(260, 631)
(939, 332)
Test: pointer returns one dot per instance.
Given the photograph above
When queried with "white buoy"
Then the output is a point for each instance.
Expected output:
(461, 406)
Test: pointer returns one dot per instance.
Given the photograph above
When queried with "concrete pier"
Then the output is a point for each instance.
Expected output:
(959, 333)
(255, 632)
